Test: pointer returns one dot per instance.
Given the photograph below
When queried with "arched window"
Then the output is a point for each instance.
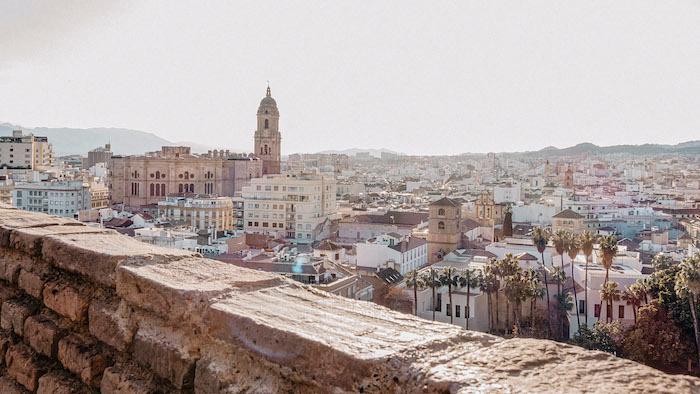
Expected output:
(441, 212)
(261, 150)
(441, 225)
(267, 125)
(191, 187)
(157, 174)
(151, 189)
(162, 189)
(179, 188)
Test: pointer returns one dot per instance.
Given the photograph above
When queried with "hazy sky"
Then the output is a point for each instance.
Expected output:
(439, 77)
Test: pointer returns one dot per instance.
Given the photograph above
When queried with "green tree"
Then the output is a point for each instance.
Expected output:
(609, 293)
(661, 262)
(688, 286)
(655, 339)
(605, 337)
(431, 279)
(533, 292)
(632, 295)
(516, 291)
(449, 278)
(414, 280)
(587, 241)
(540, 238)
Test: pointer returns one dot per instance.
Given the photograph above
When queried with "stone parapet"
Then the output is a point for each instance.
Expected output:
(85, 309)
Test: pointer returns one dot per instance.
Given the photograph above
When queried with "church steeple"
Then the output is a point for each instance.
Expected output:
(267, 135)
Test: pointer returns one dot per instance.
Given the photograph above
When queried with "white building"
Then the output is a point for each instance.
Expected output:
(292, 206)
(201, 212)
(25, 151)
(403, 254)
(506, 193)
(54, 198)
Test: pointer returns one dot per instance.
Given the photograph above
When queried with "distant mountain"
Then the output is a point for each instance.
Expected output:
(355, 151)
(71, 141)
(587, 148)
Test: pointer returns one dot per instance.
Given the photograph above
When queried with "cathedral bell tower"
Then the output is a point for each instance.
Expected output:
(267, 134)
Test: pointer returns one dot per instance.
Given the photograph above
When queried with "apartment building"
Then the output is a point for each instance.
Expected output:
(201, 212)
(402, 253)
(25, 151)
(63, 198)
(291, 206)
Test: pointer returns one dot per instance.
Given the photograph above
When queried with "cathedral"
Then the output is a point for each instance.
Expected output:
(267, 135)
(142, 180)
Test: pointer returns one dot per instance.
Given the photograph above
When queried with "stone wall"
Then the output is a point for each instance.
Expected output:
(86, 309)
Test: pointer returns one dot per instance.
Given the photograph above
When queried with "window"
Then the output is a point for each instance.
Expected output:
(266, 124)
(596, 311)
(457, 311)
(438, 302)
(441, 225)
(448, 309)
(608, 310)
(581, 306)
(441, 212)
(621, 311)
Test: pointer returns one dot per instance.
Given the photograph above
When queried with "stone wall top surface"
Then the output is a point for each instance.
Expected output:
(220, 327)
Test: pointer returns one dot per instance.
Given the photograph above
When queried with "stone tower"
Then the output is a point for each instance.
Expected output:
(267, 134)
(444, 234)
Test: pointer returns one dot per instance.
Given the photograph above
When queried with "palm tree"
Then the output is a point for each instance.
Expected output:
(508, 266)
(572, 249)
(586, 241)
(540, 238)
(413, 279)
(489, 283)
(469, 279)
(609, 293)
(560, 239)
(448, 277)
(430, 279)
(688, 286)
(534, 291)
(608, 251)
(631, 295)
(559, 276)
(516, 288)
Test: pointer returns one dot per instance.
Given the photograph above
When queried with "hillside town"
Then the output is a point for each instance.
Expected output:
(574, 246)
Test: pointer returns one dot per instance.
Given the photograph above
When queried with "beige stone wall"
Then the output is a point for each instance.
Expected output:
(85, 308)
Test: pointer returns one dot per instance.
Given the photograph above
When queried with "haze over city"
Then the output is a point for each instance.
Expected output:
(475, 76)
(349, 197)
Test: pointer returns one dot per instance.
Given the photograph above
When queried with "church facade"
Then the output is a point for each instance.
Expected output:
(141, 180)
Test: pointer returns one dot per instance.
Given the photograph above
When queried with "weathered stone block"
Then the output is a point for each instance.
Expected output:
(5, 343)
(84, 357)
(67, 300)
(9, 386)
(24, 367)
(165, 355)
(128, 379)
(14, 313)
(97, 256)
(17, 219)
(182, 289)
(60, 383)
(29, 240)
(111, 323)
(32, 283)
(42, 334)
(10, 264)
(7, 292)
